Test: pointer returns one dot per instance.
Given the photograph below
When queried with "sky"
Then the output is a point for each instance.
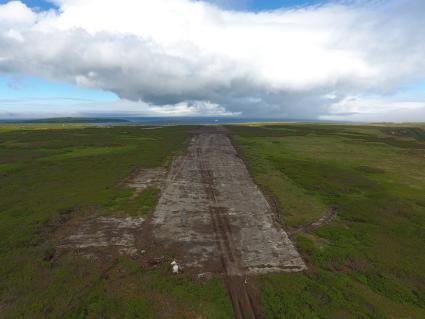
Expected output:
(350, 60)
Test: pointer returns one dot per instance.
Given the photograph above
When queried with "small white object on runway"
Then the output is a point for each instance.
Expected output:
(175, 267)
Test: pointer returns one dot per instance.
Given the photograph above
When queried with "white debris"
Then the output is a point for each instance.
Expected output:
(175, 267)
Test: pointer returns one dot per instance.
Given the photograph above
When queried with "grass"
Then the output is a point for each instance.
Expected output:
(50, 170)
(86, 151)
(369, 262)
(135, 204)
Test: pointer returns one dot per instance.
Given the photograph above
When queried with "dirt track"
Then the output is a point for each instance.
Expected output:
(217, 219)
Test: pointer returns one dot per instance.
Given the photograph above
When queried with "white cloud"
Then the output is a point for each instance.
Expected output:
(376, 109)
(15, 14)
(168, 52)
(53, 107)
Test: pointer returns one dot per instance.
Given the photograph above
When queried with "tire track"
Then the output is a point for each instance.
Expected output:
(242, 301)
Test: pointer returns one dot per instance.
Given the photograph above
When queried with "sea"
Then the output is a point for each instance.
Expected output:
(182, 120)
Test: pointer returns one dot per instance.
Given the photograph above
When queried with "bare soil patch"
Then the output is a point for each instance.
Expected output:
(148, 178)
(325, 219)
(99, 236)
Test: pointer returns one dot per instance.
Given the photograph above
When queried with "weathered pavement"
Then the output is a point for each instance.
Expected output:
(217, 219)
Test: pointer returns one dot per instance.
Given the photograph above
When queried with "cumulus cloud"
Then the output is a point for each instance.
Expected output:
(53, 107)
(16, 14)
(375, 109)
(296, 63)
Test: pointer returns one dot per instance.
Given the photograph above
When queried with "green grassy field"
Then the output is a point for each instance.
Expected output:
(48, 171)
(370, 261)
(367, 263)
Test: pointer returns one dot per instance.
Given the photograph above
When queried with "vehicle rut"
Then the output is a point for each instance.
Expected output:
(243, 306)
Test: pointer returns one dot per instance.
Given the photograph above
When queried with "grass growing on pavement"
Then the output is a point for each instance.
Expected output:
(135, 205)
(50, 170)
(369, 262)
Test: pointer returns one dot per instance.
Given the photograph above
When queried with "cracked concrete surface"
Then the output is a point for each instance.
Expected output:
(99, 232)
(212, 211)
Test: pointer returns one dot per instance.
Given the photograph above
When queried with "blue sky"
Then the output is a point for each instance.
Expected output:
(20, 94)
(257, 5)
(261, 5)
(254, 5)
(25, 87)
(43, 5)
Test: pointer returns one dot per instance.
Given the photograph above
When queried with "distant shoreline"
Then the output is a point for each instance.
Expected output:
(65, 120)
(177, 120)
(172, 120)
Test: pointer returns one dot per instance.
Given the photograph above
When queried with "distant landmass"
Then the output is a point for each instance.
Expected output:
(76, 120)
(148, 120)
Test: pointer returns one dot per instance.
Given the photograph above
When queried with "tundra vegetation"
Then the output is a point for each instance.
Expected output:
(368, 262)
(50, 173)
